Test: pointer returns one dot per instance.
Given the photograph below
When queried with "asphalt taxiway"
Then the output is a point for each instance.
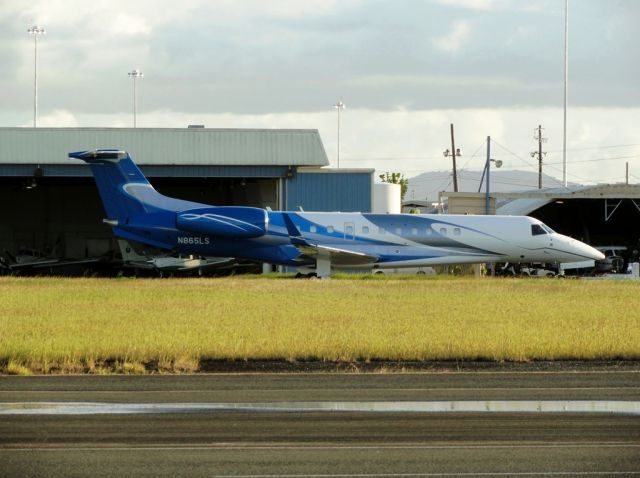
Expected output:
(182, 437)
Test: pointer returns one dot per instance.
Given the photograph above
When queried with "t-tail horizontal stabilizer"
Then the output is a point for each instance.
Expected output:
(113, 155)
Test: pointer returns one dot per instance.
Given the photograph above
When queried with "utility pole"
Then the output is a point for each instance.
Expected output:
(454, 152)
(538, 136)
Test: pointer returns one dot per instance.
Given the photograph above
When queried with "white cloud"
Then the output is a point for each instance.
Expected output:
(460, 33)
(286, 9)
(56, 119)
(99, 18)
(126, 24)
(474, 4)
(431, 81)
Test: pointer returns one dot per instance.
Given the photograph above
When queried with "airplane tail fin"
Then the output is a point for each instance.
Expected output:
(122, 186)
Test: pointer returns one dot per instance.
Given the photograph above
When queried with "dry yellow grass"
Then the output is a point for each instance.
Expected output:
(55, 324)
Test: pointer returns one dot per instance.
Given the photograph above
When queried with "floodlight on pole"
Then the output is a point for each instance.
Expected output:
(339, 106)
(135, 74)
(36, 31)
(566, 81)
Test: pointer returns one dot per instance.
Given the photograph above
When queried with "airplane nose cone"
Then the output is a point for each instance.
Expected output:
(597, 255)
(581, 250)
(590, 252)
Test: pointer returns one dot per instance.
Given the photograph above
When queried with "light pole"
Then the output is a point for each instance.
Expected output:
(135, 74)
(339, 106)
(566, 81)
(36, 31)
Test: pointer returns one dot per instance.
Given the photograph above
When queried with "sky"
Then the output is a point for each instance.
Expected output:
(405, 69)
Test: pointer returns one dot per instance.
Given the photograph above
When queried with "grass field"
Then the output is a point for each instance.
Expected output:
(126, 325)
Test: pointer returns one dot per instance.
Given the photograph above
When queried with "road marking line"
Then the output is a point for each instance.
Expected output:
(333, 390)
(228, 447)
(625, 407)
(401, 475)
(407, 475)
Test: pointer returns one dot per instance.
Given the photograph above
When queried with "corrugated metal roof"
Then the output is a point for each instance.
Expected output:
(521, 207)
(167, 146)
(525, 202)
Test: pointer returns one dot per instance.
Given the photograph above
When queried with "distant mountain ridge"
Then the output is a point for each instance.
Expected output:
(426, 186)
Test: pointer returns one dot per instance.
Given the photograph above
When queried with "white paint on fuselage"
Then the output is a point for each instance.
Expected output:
(495, 238)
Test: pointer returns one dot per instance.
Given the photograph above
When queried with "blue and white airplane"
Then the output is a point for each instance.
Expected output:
(317, 242)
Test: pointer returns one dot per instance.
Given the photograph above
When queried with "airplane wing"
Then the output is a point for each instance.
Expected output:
(34, 264)
(336, 255)
(209, 263)
(50, 264)
(339, 257)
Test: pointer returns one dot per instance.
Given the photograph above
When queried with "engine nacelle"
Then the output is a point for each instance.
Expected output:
(229, 221)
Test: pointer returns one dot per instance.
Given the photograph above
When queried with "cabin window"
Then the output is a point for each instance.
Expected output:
(313, 229)
(414, 231)
(443, 231)
(330, 229)
(537, 230)
(428, 231)
(399, 231)
(365, 229)
(456, 231)
(349, 230)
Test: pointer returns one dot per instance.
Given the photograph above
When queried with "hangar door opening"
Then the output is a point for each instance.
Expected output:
(62, 216)
(255, 192)
(598, 222)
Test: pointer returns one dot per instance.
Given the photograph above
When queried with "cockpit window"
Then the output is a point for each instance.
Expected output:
(537, 230)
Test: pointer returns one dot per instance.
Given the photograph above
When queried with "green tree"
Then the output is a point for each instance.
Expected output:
(396, 178)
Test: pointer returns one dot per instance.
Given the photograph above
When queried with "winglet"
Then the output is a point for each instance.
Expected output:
(294, 233)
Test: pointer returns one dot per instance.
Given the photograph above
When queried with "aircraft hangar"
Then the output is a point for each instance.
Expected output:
(49, 202)
(603, 215)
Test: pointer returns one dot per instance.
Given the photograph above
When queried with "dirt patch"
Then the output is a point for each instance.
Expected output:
(256, 366)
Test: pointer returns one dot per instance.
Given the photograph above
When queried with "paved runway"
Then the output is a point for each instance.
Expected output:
(322, 443)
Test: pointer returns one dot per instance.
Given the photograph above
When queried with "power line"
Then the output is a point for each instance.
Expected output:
(586, 148)
(473, 155)
(422, 158)
(602, 159)
(513, 154)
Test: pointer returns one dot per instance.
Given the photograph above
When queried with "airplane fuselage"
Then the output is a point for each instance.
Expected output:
(398, 240)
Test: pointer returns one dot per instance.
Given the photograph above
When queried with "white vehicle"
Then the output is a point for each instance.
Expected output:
(614, 260)
(541, 271)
